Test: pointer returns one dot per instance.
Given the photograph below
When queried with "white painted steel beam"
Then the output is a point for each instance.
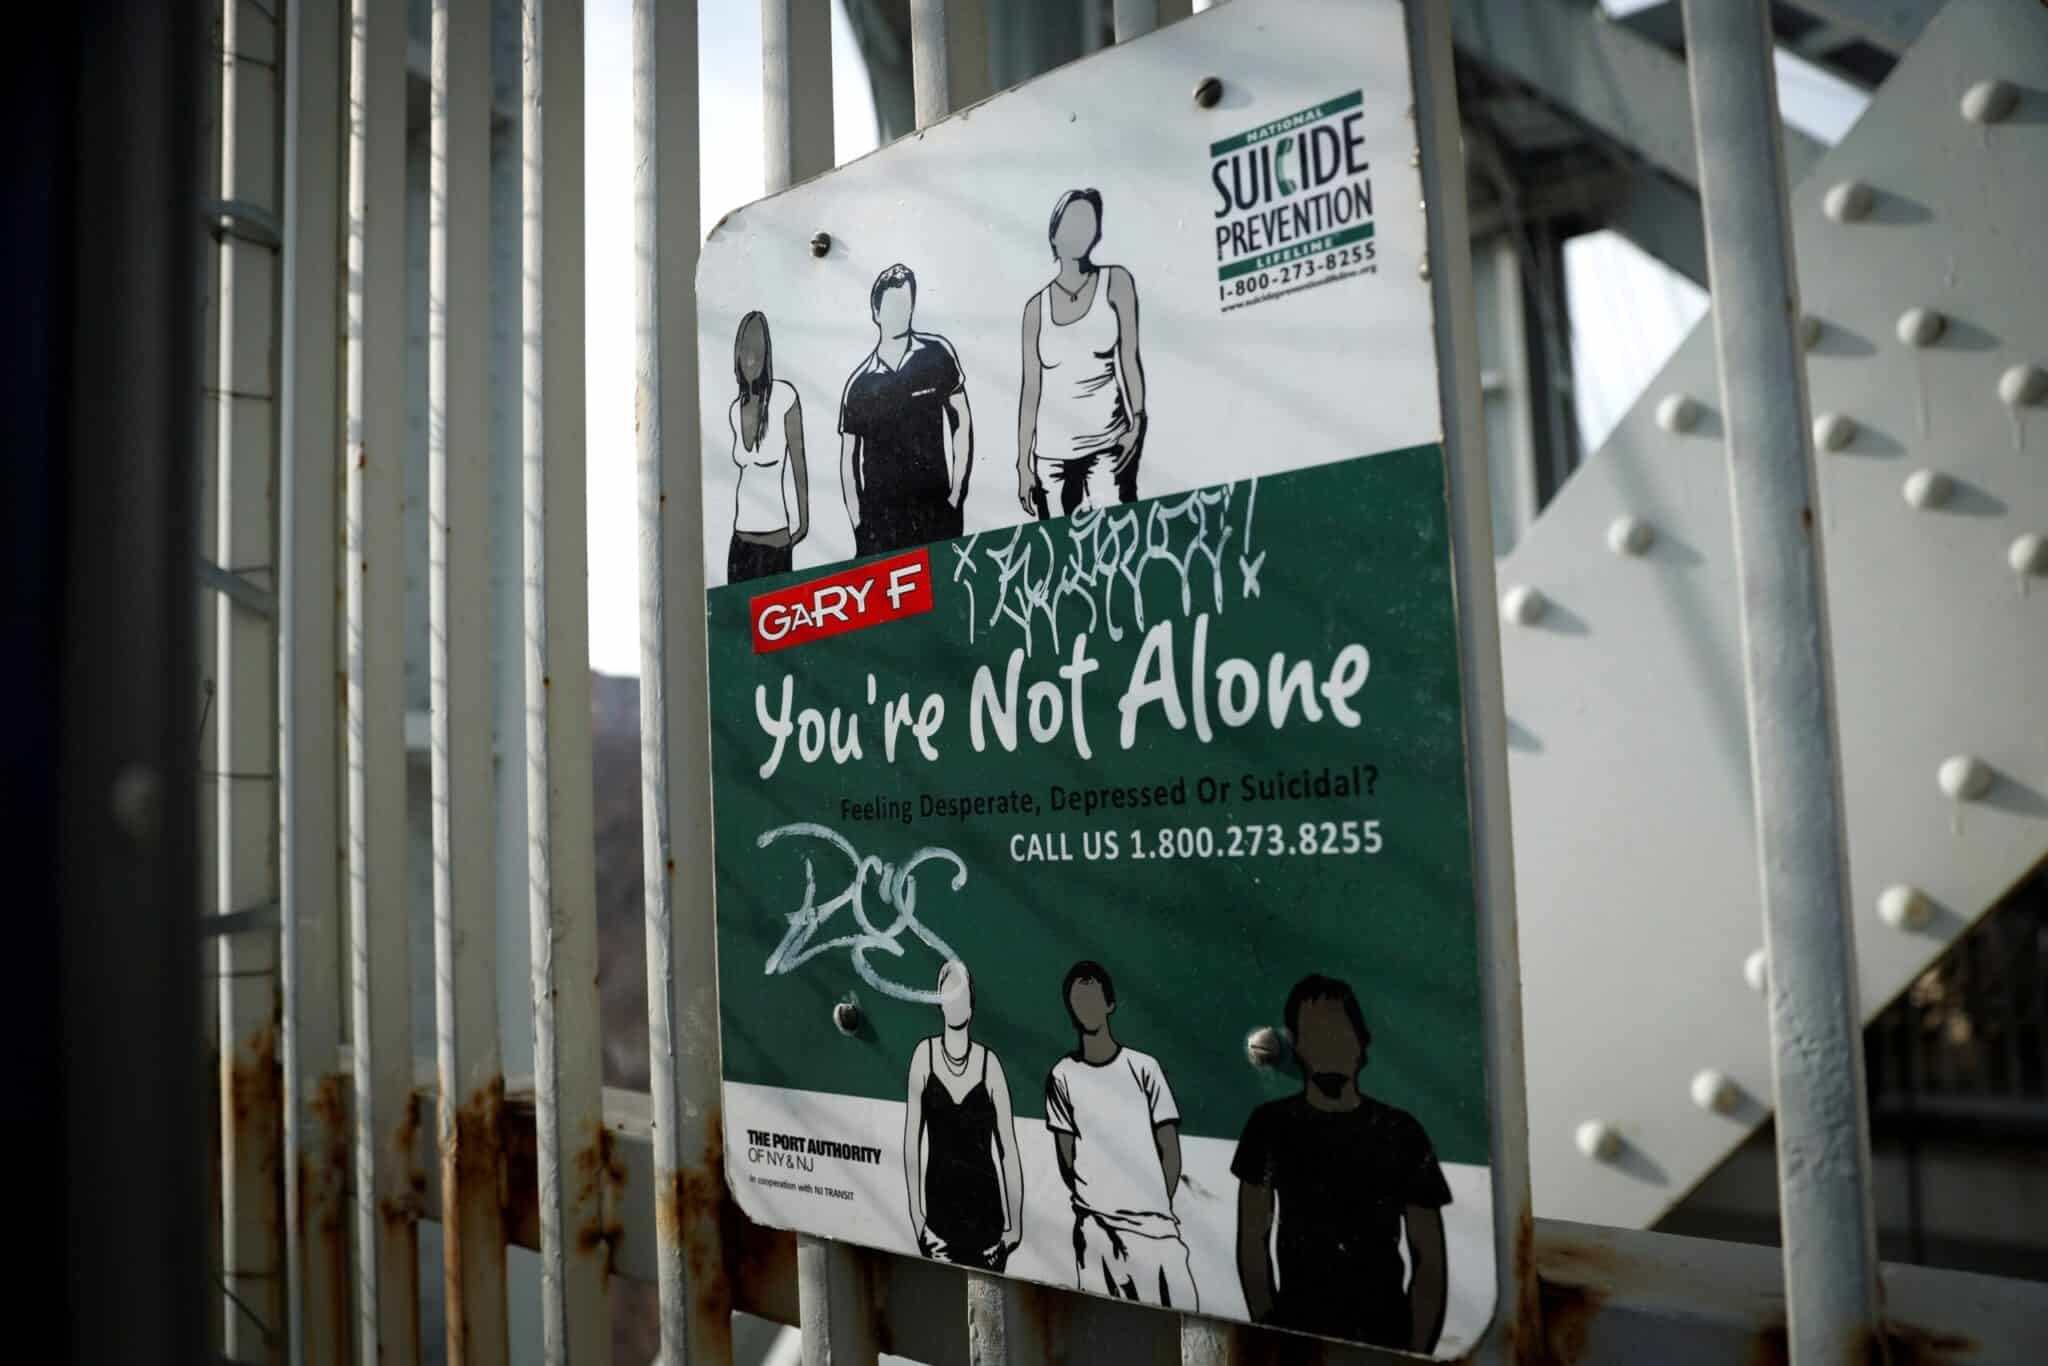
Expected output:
(310, 689)
(561, 878)
(245, 412)
(1631, 765)
(1616, 81)
(1893, 25)
(387, 1121)
(1823, 1134)
(472, 1088)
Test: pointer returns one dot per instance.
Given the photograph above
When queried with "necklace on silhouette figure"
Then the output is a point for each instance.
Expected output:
(958, 1069)
(1074, 294)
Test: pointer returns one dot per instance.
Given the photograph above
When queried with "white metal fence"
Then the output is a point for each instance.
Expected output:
(323, 106)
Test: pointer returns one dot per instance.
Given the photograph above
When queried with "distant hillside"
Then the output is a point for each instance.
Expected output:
(621, 923)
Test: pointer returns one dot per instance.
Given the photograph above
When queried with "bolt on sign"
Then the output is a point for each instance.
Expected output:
(1095, 879)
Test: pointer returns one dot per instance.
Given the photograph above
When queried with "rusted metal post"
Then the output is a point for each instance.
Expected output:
(1831, 1288)
(471, 1097)
(561, 878)
(310, 692)
(386, 1116)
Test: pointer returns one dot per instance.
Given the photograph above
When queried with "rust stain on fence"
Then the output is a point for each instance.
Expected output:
(255, 1092)
(403, 1211)
(598, 1172)
(1902, 1344)
(471, 1159)
(323, 1220)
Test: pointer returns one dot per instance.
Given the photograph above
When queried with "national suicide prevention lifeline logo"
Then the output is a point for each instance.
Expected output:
(1293, 206)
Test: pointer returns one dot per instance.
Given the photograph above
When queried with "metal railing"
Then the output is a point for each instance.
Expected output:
(324, 1190)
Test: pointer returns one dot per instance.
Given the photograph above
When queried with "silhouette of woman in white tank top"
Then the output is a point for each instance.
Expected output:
(1081, 412)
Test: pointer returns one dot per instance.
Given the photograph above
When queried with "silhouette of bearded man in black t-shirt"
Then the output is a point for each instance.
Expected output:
(1342, 1174)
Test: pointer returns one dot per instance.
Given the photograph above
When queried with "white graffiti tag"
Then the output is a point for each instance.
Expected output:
(1088, 572)
(894, 884)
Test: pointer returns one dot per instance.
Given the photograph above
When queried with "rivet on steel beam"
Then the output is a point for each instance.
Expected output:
(1265, 1047)
(1598, 1140)
(2028, 554)
(1208, 91)
(846, 1017)
(1756, 969)
(1928, 488)
(821, 243)
(1713, 1091)
(1630, 535)
(1832, 431)
(2022, 384)
(1921, 326)
(1809, 331)
(1964, 777)
(1678, 412)
(1904, 908)
(1848, 201)
(1523, 605)
(1989, 101)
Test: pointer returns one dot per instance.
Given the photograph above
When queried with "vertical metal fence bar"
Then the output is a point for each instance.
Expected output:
(574, 1163)
(245, 733)
(682, 1007)
(309, 690)
(103, 1083)
(949, 67)
(206, 655)
(1135, 18)
(948, 56)
(1449, 266)
(796, 90)
(386, 1117)
(796, 104)
(472, 1087)
(1831, 1289)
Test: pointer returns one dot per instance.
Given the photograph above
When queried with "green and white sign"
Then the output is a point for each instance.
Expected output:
(1085, 695)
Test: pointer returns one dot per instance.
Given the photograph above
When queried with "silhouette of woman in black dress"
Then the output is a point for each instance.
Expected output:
(960, 1163)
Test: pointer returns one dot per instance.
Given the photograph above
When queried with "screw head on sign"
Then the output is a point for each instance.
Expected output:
(1523, 605)
(2022, 384)
(1989, 101)
(1848, 201)
(846, 1017)
(1265, 1047)
(1678, 412)
(821, 243)
(1596, 1139)
(2028, 554)
(1713, 1091)
(1928, 488)
(1208, 91)
(1964, 777)
(1756, 969)
(1832, 431)
(1904, 908)
(1921, 326)
(1630, 535)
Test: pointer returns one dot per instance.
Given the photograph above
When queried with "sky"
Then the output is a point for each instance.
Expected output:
(1628, 312)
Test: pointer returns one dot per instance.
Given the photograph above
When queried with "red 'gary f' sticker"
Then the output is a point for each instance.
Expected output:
(850, 600)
